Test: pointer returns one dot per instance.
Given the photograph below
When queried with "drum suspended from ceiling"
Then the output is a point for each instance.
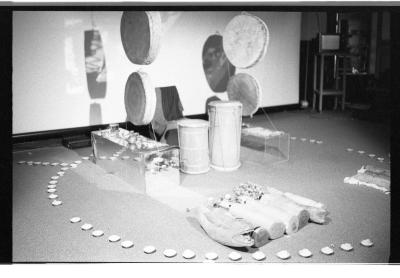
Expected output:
(244, 88)
(245, 40)
(141, 36)
(140, 99)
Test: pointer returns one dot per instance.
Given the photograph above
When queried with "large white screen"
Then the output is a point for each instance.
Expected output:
(49, 79)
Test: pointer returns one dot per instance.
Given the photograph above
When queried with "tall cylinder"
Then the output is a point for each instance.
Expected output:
(193, 144)
(225, 132)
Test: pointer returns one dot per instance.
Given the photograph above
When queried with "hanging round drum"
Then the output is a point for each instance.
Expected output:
(140, 99)
(245, 40)
(141, 36)
(244, 88)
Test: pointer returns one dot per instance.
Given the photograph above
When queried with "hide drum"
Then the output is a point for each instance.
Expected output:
(245, 40)
(225, 133)
(141, 36)
(244, 88)
(193, 144)
(140, 99)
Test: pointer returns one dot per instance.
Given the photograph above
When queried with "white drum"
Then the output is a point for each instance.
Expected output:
(245, 40)
(225, 132)
(193, 144)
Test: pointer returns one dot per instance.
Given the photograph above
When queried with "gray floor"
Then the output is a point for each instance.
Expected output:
(43, 233)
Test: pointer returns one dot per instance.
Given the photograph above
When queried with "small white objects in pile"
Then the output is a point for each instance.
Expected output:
(366, 242)
(283, 255)
(97, 233)
(75, 219)
(114, 238)
(234, 256)
(305, 253)
(87, 227)
(169, 253)
(188, 254)
(249, 189)
(346, 247)
(258, 256)
(327, 250)
(211, 256)
(56, 203)
(149, 249)
(127, 244)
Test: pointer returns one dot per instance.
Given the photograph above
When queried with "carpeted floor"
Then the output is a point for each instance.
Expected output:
(43, 233)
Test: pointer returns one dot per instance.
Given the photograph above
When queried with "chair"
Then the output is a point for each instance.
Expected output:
(168, 112)
(338, 91)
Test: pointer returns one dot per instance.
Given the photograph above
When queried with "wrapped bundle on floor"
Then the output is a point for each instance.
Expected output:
(283, 203)
(274, 226)
(228, 230)
(303, 208)
(289, 219)
(316, 210)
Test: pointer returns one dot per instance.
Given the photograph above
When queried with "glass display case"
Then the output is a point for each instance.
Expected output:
(136, 159)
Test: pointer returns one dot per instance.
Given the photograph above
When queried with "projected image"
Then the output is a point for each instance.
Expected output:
(216, 65)
(95, 63)
(95, 117)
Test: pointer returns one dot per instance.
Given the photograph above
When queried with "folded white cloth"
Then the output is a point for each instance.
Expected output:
(372, 177)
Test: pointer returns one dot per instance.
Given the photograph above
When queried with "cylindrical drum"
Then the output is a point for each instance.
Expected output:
(225, 132)
(193, 144)
(140, 98)
(141, 35)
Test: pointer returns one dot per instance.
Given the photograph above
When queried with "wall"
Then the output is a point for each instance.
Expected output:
(312, 23)
(49, 80)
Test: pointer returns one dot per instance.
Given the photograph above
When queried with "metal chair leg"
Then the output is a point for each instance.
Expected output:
(313, 101)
